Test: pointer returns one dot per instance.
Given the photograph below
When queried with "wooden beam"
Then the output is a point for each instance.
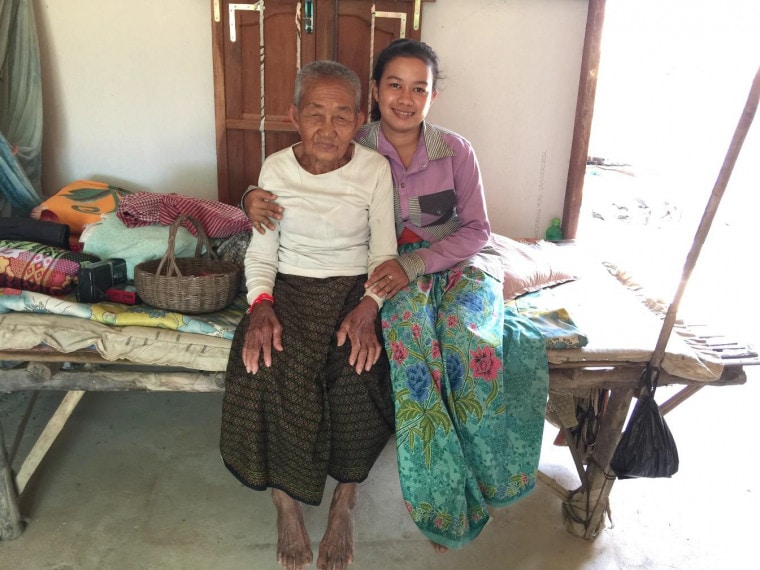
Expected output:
(553, 485)
(116, 380)
(584, 113)
(47, 437)
(584, 510)
(572, 380)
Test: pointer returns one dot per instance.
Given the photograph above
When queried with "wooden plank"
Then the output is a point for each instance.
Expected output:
(103, 375)
(47, 437)
(581, 379)
(555, 487)
(110, 380)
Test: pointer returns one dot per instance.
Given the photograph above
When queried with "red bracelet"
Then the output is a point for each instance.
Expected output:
(259, 299)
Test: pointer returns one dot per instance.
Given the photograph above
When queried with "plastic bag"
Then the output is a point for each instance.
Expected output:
(646, 448)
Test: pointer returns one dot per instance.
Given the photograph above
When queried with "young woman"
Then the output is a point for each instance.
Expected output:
(468, 420)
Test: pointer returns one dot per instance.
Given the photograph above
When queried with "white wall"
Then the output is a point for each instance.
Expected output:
(512, 69)
(128, 94)
(128, 87)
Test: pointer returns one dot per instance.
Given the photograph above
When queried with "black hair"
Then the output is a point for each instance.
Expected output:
(403, 47)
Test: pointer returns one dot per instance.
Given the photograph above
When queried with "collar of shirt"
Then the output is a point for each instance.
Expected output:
(432, 144)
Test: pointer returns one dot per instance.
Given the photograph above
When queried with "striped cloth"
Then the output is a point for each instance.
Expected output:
(217, 219)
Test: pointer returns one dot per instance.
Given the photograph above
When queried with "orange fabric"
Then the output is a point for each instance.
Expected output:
(80, 203)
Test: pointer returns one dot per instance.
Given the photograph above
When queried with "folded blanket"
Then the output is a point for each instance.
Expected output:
(221, 324)
(110, 238)
(554, 322)
(218, 220)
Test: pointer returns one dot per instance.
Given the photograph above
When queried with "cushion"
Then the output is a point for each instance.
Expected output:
(529, 267)
(38, 267)
(80, 203)
(24, 229)
(109, 238)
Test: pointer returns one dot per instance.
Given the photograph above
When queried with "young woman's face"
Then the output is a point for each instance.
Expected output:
(404, 93)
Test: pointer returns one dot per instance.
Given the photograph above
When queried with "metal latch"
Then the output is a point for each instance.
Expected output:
(400, 15)
(234, 8)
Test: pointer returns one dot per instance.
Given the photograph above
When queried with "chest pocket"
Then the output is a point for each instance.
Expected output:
(433, 209)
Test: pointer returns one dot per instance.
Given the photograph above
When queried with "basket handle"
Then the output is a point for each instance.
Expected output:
(169, 257)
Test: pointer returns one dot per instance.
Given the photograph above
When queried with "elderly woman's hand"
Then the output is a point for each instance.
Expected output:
(264, 332)
(359, 328)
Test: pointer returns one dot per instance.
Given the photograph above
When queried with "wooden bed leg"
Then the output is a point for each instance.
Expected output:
(11, 525)
(680, 397)
(47, 437)
(584, 510)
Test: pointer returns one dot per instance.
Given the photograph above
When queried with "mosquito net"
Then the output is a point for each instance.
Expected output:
(20, 109)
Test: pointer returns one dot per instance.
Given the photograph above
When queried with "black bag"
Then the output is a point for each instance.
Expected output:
(647, 448)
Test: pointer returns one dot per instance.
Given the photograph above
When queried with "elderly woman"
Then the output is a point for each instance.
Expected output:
(301, 403)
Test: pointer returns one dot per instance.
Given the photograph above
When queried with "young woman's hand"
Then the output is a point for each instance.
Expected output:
(387, 279)
(261, 208)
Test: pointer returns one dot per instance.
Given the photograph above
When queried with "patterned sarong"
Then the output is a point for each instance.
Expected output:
(309, 415)
(469, 389)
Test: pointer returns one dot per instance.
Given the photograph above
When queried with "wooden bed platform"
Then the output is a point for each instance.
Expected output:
(621, 335)
(90, 372)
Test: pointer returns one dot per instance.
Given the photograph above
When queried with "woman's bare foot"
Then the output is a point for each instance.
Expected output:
(336, 551)
(293, 543)
(439, 548)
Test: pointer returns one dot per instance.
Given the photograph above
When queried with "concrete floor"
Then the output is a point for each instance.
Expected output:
(135, 481)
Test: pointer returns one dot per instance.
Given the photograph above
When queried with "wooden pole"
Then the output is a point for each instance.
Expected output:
(11, 525)
(584, 113)
(707, 218)
(47, 437)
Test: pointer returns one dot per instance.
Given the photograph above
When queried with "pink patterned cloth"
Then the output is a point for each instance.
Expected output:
(218, 220)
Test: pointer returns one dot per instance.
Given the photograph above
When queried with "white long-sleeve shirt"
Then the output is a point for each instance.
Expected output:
(338, 223)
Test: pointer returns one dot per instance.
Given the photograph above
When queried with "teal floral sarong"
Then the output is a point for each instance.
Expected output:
(469, 385)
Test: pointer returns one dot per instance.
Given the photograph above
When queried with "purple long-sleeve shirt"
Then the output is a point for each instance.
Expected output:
(440, 197)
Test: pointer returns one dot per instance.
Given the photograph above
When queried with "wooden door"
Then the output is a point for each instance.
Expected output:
(254, 69)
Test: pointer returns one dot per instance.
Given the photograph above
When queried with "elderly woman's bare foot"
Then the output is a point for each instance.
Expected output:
(336, 551)
(293, 543)
(439, 548)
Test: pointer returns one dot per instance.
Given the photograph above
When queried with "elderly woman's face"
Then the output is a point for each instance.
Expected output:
(327, 120)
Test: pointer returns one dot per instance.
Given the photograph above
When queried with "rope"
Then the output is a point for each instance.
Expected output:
(298, 36)
(262, 109)
(371, 62)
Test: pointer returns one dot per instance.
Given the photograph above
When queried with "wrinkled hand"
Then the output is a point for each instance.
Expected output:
(359, 328)
(264, 333)
(387, 279)
(261, 209)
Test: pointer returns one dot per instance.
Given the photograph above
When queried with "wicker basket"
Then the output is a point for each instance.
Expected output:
(188, 284)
